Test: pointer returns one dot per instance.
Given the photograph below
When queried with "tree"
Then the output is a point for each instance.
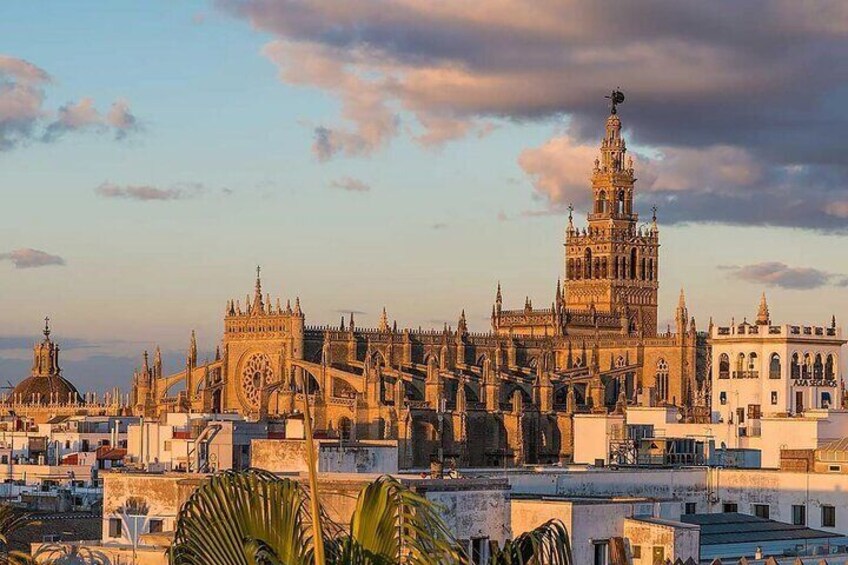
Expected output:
(255, 518)
(10, 521)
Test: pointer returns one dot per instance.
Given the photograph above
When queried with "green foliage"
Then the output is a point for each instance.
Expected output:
(546, 545)
(256, 518)
(11, 520)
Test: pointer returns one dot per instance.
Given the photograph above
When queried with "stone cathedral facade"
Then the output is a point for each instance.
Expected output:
(504, 397)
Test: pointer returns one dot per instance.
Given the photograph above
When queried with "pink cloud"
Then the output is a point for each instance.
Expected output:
(24, 117)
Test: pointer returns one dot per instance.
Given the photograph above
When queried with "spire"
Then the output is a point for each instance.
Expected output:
(47, 328)
(192, 349)
(297, 310)
(258, 302)
(681, 301)
(571, 214)
(352, 325)
(145, 365)
(342, 325)
(763, 318)
(384, 321)
(462, 326)
(498, 295)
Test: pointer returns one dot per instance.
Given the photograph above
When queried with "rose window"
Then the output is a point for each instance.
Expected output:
(254, 376)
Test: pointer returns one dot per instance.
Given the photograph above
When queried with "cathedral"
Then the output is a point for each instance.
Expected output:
(505, 397)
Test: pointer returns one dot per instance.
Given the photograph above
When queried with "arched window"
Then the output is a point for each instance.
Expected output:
(818, 367)
(587, 268)
(774, 366)
(740, 365)
(807, 367)
(601, 204)
(662, 380)
(752, 365)
(345, 428)
(828, 368)
(578, 269)
(634, 261)
(642, 271)
(619, 204)
(650, 269)
(826, 400)
(603, 267)
(596, 269)
(795, 367)
(724, 366)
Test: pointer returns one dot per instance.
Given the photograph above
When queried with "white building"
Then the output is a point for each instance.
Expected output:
(761, 370)
(193, 442)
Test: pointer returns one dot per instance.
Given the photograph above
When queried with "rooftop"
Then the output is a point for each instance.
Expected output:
(732, 527)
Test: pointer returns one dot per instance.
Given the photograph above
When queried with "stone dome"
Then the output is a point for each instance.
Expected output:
(42, 389)
(46, 383)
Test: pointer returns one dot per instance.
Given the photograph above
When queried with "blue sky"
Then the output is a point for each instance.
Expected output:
(230, 142)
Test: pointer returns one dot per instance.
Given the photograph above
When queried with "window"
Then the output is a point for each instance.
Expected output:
(754, 412)
(601, 550)
(155, 526)
(690, 508)
(724, 366)
(818, 367)
(115, 527)
(168, 445)
(799, 515)
(740, 366)
(828, 516)
(796, 367)
(722, 398)
(479, 551)
(828, 368)
(761, 511)
(826, 400)
(662, 380)
(774, 366)
(637, 552)
(730, 507)
(774, 398)
(834, 468)
(4, 460)
(67, 444)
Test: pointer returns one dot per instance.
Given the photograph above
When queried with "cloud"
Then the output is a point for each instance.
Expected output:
(148, 193)
(777, 274)
(350, 184)
(31, 258)
(24, 117)
(439, 225)
(756, 88)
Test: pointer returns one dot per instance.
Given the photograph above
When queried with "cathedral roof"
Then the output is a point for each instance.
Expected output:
(46, 383)
(41, 389)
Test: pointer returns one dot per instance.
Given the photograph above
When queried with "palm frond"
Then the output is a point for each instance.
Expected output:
(546, 545)
(394, 523)
(244, 518)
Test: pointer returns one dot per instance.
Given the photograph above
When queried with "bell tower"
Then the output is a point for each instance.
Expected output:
(611, 266)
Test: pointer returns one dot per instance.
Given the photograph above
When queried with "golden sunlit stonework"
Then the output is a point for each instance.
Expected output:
(504, 397)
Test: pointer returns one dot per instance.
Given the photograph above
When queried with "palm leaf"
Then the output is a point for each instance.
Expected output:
(546, 545)
(244, 518)
(393, 524)
(10, 521)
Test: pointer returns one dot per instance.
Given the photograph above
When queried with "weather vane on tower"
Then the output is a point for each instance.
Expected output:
(615, 97)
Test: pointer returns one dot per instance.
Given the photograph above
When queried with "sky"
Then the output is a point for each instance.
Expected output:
(407, 154)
